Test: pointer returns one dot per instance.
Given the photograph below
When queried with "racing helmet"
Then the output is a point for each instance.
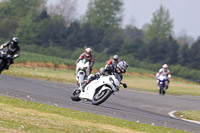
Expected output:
(115, 57)
(88, 52)
(14, 43)
(15, 40)
(122, 66)
(165, 67)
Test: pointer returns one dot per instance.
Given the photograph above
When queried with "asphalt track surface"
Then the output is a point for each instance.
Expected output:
(128, 104)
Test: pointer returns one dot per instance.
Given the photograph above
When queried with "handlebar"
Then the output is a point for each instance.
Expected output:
(5, 55)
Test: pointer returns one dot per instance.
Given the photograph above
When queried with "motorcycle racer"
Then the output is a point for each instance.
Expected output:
(120, 69)
(13, 50)
(164, 71)
(113, 62)
(88, 56)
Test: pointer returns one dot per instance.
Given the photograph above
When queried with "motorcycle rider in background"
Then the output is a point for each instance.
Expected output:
(88, 56)
(13, 50)
(118, 71)
(113, 62)
(164, 71)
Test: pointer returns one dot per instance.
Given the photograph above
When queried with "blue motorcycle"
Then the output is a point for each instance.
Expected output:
(162, 84)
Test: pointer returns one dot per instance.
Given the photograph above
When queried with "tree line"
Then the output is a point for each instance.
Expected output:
(54, 29)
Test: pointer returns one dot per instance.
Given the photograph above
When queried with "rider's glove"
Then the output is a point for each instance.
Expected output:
(157, 75)
(107, 68)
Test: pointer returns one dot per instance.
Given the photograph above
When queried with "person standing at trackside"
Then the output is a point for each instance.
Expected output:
(112, 63)
(164, 71)
(87, 55)
(13, 50)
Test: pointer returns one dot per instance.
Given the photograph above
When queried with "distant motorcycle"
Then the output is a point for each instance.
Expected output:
(82, 70)
(99, 90)
(162, 84)
(4, 56)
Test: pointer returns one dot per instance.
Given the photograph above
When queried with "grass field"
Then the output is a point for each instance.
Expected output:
(28, 117)
(190, 115)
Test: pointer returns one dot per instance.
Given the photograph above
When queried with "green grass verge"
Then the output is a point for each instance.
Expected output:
(177, 86)
(25, 116)
(190, 115)
(33, 57)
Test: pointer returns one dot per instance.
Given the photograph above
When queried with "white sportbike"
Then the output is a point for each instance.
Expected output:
(98, 90)
(82, 71)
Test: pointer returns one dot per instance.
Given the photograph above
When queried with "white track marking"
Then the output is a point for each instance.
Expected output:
(172, 115)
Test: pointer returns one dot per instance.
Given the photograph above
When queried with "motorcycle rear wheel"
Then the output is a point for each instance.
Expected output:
(162, 91)
(1, 65)
(101, 97)
(75, 95)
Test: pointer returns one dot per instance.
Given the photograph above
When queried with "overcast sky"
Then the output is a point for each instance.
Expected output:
(185, 13)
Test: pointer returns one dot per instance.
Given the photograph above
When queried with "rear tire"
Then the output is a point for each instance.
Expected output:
(101, 97)
(75, 95)
(162, 91)
(1, 65)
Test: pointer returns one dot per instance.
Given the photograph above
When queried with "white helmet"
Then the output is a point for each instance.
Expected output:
(88, 51)
(165, 66)
(115, 57)
(15, 39)
(122, 66)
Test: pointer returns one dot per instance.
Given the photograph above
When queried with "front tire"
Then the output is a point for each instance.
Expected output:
(81, 78)
(101, 97)
(75, 95)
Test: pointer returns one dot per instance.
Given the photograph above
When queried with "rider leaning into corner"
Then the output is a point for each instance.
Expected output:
(88, 56)
(118, 71)
(164, 71)
(13, 50)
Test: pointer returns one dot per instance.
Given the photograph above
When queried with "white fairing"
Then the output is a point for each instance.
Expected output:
(82, 70)
(162, 77)
(104, 82)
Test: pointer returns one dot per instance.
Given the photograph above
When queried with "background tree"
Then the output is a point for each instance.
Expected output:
(183, 38)
(12, 11)
(183, 54)
(66, 9)
(105, 14)
(165, 51)
(194, 55)
(161, 25)
(132, 33)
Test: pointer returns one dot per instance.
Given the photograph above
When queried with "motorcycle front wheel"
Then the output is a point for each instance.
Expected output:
(75, 95)
(100, 97)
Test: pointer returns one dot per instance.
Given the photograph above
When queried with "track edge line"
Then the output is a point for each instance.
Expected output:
(172, 115)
